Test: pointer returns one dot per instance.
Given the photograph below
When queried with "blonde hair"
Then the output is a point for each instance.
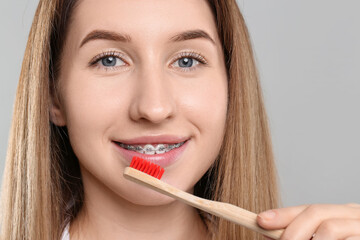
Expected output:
(244, 173)
(42, 187)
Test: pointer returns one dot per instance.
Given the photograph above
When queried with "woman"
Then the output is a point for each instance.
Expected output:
(171, 81)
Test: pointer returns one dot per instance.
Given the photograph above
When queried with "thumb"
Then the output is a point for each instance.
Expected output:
(279, 218)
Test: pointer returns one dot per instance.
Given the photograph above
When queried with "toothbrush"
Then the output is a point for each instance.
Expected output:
(149, 174)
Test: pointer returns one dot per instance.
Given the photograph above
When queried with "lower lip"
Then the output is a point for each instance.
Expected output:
(163, 159)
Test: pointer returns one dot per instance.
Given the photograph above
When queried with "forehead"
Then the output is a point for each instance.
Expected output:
(149, 20)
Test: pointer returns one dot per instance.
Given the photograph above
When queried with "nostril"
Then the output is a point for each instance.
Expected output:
(156, 115)
(153, 99)
(152, 110)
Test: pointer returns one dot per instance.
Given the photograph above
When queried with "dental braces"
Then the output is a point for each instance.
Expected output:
(150, 149)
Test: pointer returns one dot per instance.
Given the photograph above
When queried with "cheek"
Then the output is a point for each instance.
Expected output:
(92, 103)
(206, 106)
(96, 107)
(87, 112)
(92, 106)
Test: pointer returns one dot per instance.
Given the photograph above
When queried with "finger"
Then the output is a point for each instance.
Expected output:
(307, 222)
(338, 229)
(353, 238)
(279, 218)
(267, 238)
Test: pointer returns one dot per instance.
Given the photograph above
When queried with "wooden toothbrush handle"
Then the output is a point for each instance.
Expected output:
(224, 210)
(242, 217)
(230, 212)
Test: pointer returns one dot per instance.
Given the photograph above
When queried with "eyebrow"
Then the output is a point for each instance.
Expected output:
(114, 36)
(192, 34)
(105, 35)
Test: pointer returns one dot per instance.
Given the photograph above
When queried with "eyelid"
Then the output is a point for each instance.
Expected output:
(192, 54)
(196, 55)
(98, 57)
(187, 53)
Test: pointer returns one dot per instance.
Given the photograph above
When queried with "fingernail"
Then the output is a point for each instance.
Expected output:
(267, 238)
(268, 215)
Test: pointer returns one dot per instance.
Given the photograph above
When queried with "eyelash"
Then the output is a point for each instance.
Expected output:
(94, 61)
(190, 54)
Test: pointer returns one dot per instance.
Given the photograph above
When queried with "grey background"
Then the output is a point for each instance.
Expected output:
(308, 54)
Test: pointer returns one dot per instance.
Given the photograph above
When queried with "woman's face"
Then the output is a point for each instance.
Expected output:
(144, 78)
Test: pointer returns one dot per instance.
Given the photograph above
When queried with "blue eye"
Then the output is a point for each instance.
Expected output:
(186, 62)
(111, 61)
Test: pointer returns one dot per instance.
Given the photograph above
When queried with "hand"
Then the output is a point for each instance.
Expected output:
(328, 222)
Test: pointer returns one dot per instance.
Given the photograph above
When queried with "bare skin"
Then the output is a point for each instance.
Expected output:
(316, 222)
(148, 83)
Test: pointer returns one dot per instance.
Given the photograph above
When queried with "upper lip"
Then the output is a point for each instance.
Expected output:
(167, 139)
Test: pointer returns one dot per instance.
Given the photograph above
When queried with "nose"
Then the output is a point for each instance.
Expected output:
(153, 99)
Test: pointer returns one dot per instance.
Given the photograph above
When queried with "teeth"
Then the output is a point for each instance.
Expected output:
(160, 148)
(150, 149)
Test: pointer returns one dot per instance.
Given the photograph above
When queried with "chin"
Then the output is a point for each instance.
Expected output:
(135, 193)
(140, 195)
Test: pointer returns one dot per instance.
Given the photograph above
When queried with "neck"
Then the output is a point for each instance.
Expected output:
(105, 215)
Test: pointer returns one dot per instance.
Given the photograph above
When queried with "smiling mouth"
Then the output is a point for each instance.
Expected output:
(151, 149)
